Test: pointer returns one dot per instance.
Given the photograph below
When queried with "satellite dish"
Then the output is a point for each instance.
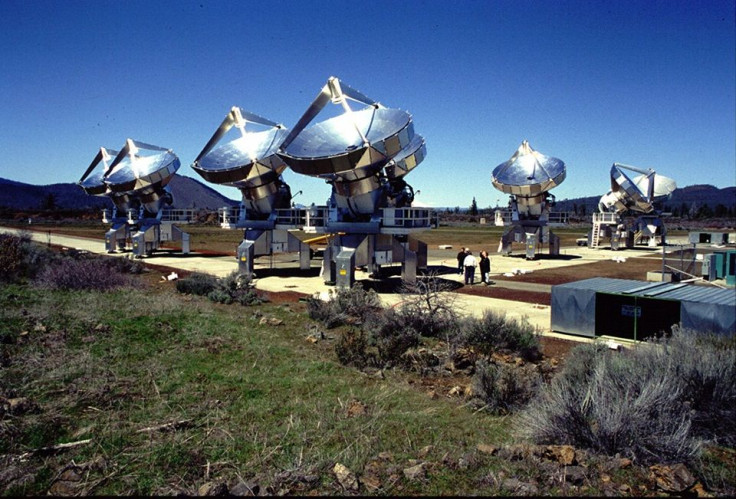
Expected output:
(663, 186)
(248, 162)
(360, 140)
(638, 194)
(134, 173)
(93, 180)
(528, 174)
(131, 175)
(352, 149)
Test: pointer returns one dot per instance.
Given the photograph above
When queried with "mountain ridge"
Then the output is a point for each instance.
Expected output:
(186, 191)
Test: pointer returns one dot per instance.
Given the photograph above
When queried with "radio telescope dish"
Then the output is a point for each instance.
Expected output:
(352, 150)
(131, 172)
(364, 139)
(638, 194)
(244, 159)
(663, 186)
(248, 162)
(93, 180)
(528, 173)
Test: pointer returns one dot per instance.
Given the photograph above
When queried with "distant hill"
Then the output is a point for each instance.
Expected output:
(693, 195)
(187, 193)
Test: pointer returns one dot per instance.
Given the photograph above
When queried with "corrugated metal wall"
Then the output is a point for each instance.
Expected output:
(636, 309)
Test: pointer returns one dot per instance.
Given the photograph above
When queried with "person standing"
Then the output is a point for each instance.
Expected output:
(469, 263)
(484, 265)
(460, 259)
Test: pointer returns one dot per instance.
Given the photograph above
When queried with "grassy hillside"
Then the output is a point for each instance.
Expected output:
(142, 390)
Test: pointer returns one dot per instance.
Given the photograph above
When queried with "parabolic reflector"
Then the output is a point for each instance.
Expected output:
(663, 186)
(132, 172)
(248, 162)
(352, 150)
(250, 159)
(93, 180)
(244, 160)
(628, 193)
(528, 173)
(336, 146)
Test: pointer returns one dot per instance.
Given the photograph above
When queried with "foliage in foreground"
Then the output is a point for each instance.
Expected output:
(243, 401)
(235, 288)
(504, 388)
(381, 337)
(19, 258)
(654, 403)
(22, 260)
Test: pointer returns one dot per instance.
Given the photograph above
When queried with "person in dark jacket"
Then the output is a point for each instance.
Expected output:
(485, 268)
(460, 259)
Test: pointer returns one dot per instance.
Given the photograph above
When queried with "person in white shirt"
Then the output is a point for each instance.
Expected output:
(469, 263)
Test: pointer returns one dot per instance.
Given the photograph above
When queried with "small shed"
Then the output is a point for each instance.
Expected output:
(632, 309)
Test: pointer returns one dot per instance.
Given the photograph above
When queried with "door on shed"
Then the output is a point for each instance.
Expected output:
(634, 317)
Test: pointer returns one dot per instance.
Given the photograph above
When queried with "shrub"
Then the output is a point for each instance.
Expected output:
(220, 296)
(653, 403)
(126, 265)
(353, 349)
(493, 332)
(504, 388)
(20, 258)
(428, 307)
(345, 306)
(196, 284)
(234, 288)
(88, 274)
(392, 336)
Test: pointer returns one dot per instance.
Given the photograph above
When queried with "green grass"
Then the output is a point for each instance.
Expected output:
(260, 400)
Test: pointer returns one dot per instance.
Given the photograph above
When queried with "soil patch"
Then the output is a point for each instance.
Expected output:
(502, 293)
(632, 268)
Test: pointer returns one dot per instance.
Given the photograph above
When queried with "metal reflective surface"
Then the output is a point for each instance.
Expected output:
(408, 158)
(135, 173)
(93, 180)
(628, 193)
(244, 160)
(248, 162)
(663, 186)
(364, 154)
(528, 173)
(335, 145)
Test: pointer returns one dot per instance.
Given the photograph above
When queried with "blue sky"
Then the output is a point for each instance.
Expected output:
(645, 83)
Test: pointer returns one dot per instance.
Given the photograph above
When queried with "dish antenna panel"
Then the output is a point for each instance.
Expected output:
(248, 162)
(135, 178)
(363, 153)
(636, 195)
(528, 176)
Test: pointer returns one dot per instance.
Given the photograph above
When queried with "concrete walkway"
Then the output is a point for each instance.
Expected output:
(282, 273)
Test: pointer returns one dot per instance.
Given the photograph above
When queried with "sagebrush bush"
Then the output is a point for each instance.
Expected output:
(126, 265)
(504, 388)
(235, 288)
(493, 332)
(196, 284)
(345, 306)
(428, 306)
(654, 403)
(392, 336)
(20, 258)
(77, 274)
(353, 349)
